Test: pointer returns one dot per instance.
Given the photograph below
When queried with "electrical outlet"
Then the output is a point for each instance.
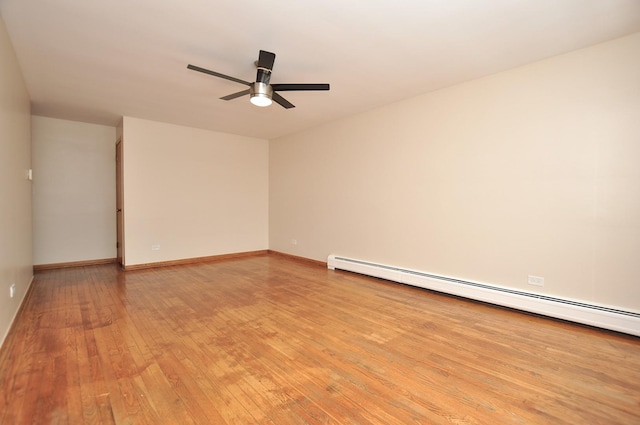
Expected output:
(155, 247)
(12, 290)
(294, 242)
(535, 280)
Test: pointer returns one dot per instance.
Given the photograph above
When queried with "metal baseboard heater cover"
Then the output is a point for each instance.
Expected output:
(571, 310)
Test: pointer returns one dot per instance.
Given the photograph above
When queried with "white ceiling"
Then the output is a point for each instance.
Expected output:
(95, 61)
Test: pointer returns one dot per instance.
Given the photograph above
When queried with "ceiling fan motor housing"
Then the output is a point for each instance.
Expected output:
(260, 92)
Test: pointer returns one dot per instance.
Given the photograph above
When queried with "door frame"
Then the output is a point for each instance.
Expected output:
(119, 204)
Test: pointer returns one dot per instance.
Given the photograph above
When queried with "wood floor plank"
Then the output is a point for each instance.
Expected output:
(266, 340)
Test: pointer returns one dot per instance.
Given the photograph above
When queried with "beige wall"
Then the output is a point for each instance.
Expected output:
(530, 171)
(192, 192)
(74, 200)
(15, 188)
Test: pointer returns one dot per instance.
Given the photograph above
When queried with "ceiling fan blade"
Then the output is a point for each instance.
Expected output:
(266, 60)
(217, 74)
(299, 87)
(282, 101)
(235, 95)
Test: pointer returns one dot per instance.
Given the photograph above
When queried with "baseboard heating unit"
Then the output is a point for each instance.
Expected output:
(575, 311)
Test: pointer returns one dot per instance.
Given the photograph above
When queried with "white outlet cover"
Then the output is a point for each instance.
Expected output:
(535, 280)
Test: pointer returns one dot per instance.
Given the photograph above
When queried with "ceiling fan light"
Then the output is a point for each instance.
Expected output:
(260, 100)
(260, 94)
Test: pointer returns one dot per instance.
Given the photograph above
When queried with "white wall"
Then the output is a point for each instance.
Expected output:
(192, 192)
(74, 197)
(530, 171)
(15, 189)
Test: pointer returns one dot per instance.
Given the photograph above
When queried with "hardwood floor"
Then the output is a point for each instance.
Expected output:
(267, 340)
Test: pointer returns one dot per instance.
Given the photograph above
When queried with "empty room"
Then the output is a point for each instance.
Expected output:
(382, 212)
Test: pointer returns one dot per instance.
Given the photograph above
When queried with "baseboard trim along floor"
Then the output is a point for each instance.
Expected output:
(566, 309)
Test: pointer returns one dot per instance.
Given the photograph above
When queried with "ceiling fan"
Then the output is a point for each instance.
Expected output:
(261, 92)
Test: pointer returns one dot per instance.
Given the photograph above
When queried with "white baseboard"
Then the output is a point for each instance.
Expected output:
(573, 310)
